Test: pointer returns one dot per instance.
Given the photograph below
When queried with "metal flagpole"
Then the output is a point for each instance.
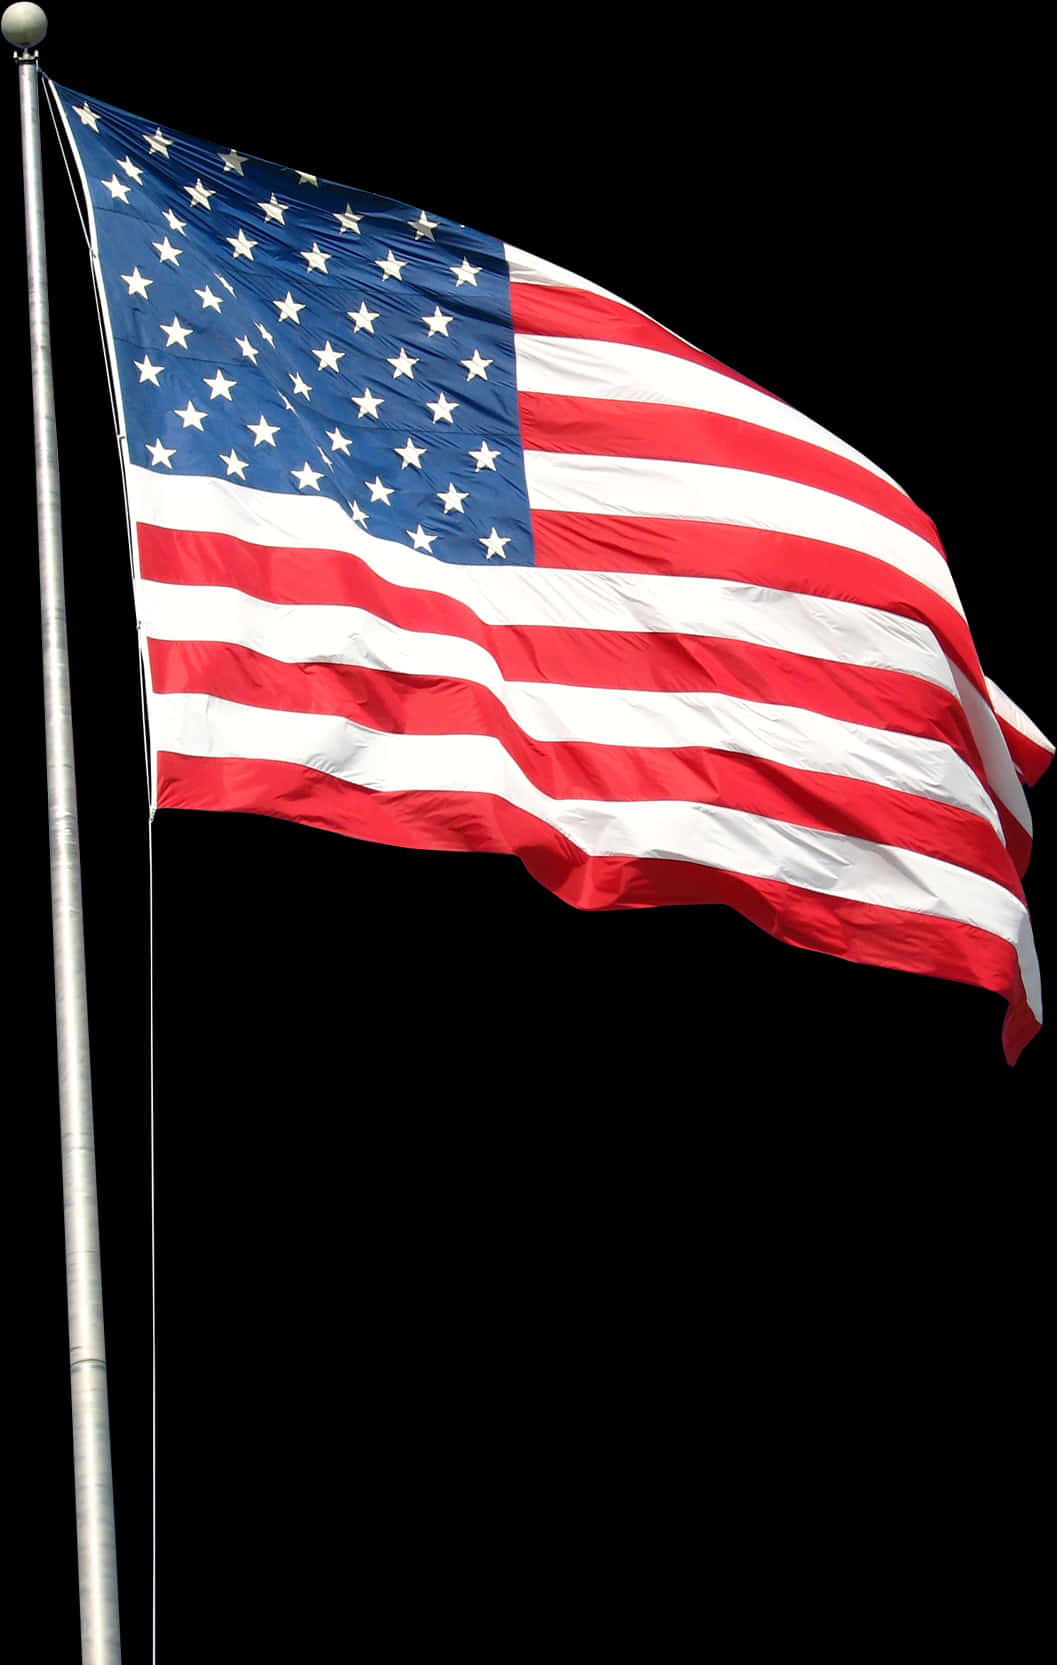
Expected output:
(24, 27)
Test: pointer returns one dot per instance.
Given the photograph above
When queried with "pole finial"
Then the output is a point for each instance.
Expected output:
(24, 25)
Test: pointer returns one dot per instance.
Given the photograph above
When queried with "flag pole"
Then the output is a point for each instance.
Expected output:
(24, 27)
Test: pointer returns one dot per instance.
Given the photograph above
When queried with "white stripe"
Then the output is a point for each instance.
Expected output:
(789, 735)
(999, 768)
(733, 840)
(567, 366)
(1015, 717)
(529, 268)
(575, 484)
(816, 626)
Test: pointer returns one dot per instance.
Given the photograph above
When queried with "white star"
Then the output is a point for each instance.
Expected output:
(158, 143)
(131, 170)
(465, 273)
(207, 298)
(349, 221)
(441, 408)
(235, 464)
(248, 349)
(363, 319)
(262, 432)
(410, 453)
(317, 260)
(190, 417)
(402, 366)
(274, 210)
(287, 404)
(439, 321)
(300, 386)
(484, 458)
(199, 193)
(148, 372)
(137, 285)
(88, 117)
(476, 366)
(325, 458)
(218, 386)
(175, 223)
(241, 245)
(167, 252)
(222, 279)
(494, 545)
(328, 358)
(266, 335)
(232, 161)
(289, 308)
(115, 187)
(453, 499)
(159, 454)
(391, 267)
(175, 333)
(307, 179)
(423, 227)
(420, 539)
(338, 442)
(379, 493)
(357, 514)
(306, 477)
(368, 403)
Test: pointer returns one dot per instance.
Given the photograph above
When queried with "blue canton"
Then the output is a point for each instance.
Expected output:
(299, 336)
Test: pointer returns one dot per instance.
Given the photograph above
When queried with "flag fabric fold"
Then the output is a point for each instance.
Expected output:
(439, 545)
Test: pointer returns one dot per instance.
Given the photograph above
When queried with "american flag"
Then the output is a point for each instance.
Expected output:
(439, 545)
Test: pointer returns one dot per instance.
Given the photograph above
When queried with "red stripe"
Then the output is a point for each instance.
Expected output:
(685, 548)
(1031, 759)
(546, 309)
(399, 704)
(748, 555)
(776, 560)
(628, 428)
(539, 653)
(648, 660)
(919, 943)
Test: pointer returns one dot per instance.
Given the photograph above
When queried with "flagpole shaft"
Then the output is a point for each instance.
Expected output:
(93, 1488)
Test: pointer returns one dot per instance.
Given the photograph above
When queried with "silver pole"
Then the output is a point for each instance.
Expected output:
(24, 26)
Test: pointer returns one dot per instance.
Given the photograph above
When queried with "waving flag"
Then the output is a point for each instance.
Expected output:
(438, 545)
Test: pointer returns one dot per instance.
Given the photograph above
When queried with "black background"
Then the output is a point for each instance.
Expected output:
(472, 1211)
